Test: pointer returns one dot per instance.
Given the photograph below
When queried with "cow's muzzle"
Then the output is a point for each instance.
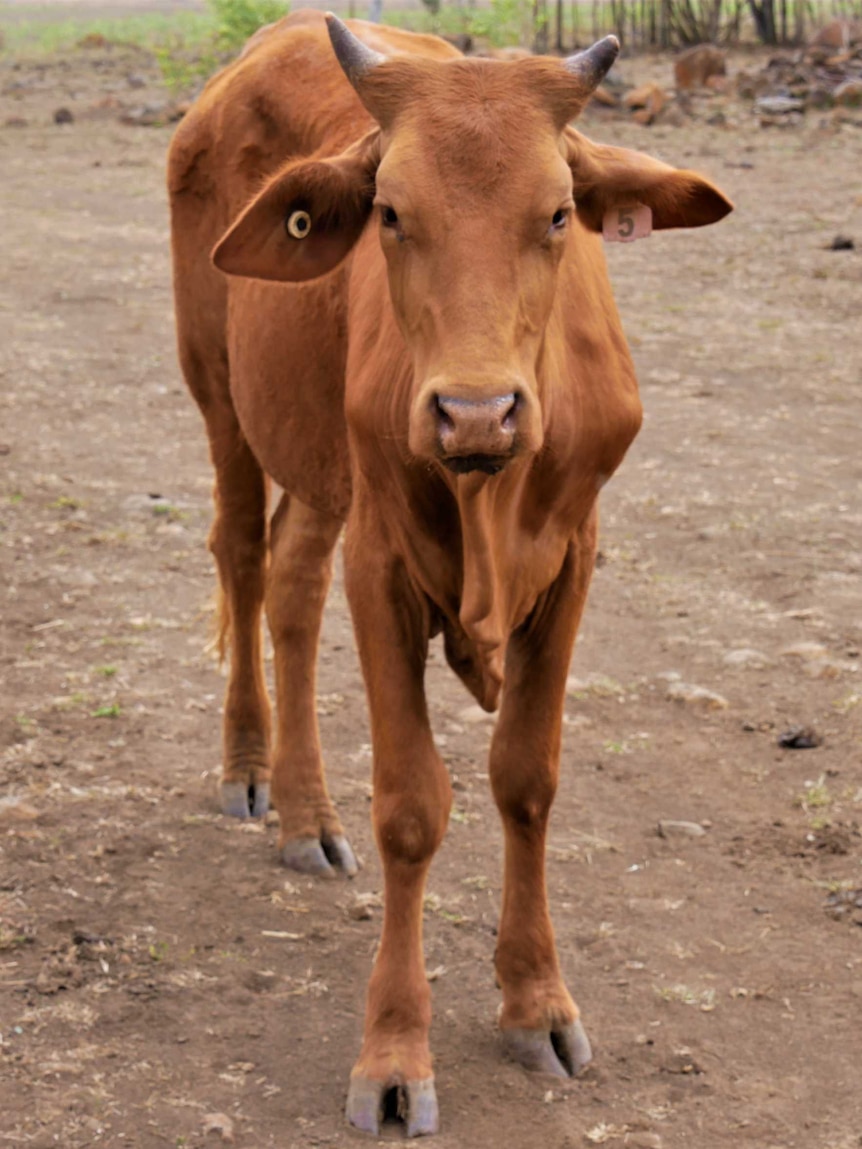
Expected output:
(470, 425)
(476, 434)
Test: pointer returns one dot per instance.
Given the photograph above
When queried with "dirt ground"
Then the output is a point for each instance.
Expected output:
(162, 981)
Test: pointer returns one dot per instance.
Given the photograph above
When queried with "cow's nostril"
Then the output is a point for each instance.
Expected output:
(509, 414)
(444, 419)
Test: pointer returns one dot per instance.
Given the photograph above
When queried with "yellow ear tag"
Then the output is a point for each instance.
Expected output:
(298, 224)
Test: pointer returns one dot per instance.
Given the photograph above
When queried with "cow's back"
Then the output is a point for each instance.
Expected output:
(284, 97)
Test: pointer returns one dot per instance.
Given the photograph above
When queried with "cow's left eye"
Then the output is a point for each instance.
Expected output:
(559, 220)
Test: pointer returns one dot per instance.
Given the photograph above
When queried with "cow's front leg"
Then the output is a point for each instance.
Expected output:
(410, 810)
(539, 1019)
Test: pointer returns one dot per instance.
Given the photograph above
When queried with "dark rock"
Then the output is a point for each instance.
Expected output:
(800, 738)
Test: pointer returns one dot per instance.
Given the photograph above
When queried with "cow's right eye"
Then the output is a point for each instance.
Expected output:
(389, 217)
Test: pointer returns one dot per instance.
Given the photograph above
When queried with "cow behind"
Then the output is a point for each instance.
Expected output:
(452, 378)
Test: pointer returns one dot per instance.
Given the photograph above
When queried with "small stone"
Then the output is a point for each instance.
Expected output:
(841, 243)
(218, 1123)
(849, 94)
(778, 105)
(668, 828)
(685, 693)
(14, 810)
(756, 659)
(806, 651)
(643, 1139)
(63, 116)
(800, 738)
(362, 906)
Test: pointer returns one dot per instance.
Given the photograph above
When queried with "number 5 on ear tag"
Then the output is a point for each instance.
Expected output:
(626, 224)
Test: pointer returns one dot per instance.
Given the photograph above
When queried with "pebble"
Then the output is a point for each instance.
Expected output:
(63, 116)
(668, 828)
(362, 906)
(696, 696)
(14, 810)
(806, 651)
(779, 105)
(756, 659)
(643, 1139)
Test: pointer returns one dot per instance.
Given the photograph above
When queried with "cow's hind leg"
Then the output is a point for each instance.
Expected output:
(238, 540)
(302, 541)
(410, 809)
(539, 1019)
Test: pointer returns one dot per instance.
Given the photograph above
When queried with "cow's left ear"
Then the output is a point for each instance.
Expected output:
(305, 220)
(605, 178)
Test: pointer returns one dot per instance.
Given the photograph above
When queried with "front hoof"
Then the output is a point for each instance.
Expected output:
(322, 858)
(370, 1102)
(563, 1052)
(244, 800)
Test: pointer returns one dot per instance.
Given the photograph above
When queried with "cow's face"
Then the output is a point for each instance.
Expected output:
(473, 202)
(476, 187)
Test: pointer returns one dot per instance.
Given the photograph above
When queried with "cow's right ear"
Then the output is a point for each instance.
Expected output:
(305, 220)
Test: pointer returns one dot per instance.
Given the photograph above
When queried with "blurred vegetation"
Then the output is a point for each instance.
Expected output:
(189, 46)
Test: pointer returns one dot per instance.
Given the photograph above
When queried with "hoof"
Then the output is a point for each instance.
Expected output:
(243, 800)
(323, 858)
(369, 1103)
(563, 1052)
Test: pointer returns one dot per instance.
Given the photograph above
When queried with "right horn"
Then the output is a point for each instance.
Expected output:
(592, 65)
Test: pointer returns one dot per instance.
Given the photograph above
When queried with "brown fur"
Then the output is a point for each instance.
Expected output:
(342, 389)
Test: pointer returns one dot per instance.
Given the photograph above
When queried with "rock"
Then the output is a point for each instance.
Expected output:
(800, 738)
(693, 68)
(805, 651)
(13, 809)
(218, 1123)
(778, 105)
(667, 828)
(63, 116)
(849, 94)
(841, 243)
(696, 696)
(756, 659)
(643, 1139)
(838, 34)
(154, 115)
(603, 95)
(362, 907)
(647, 100)
(673, 116)
(136, 80)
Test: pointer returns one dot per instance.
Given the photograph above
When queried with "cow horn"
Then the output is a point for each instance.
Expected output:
(592, 65)
(355, 58)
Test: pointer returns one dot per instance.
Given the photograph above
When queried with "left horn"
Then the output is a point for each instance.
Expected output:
(592, 65)
(355, 58)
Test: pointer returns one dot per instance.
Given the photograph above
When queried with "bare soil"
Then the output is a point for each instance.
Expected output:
(162, 981)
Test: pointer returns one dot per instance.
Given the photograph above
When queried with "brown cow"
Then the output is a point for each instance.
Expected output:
(454, 380)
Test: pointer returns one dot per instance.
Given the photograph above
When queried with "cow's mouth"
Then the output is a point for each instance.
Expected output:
(465, 464)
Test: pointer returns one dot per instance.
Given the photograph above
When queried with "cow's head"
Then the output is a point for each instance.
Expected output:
(477, 185)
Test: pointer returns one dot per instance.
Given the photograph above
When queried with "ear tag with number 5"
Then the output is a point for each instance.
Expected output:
(626, 224)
